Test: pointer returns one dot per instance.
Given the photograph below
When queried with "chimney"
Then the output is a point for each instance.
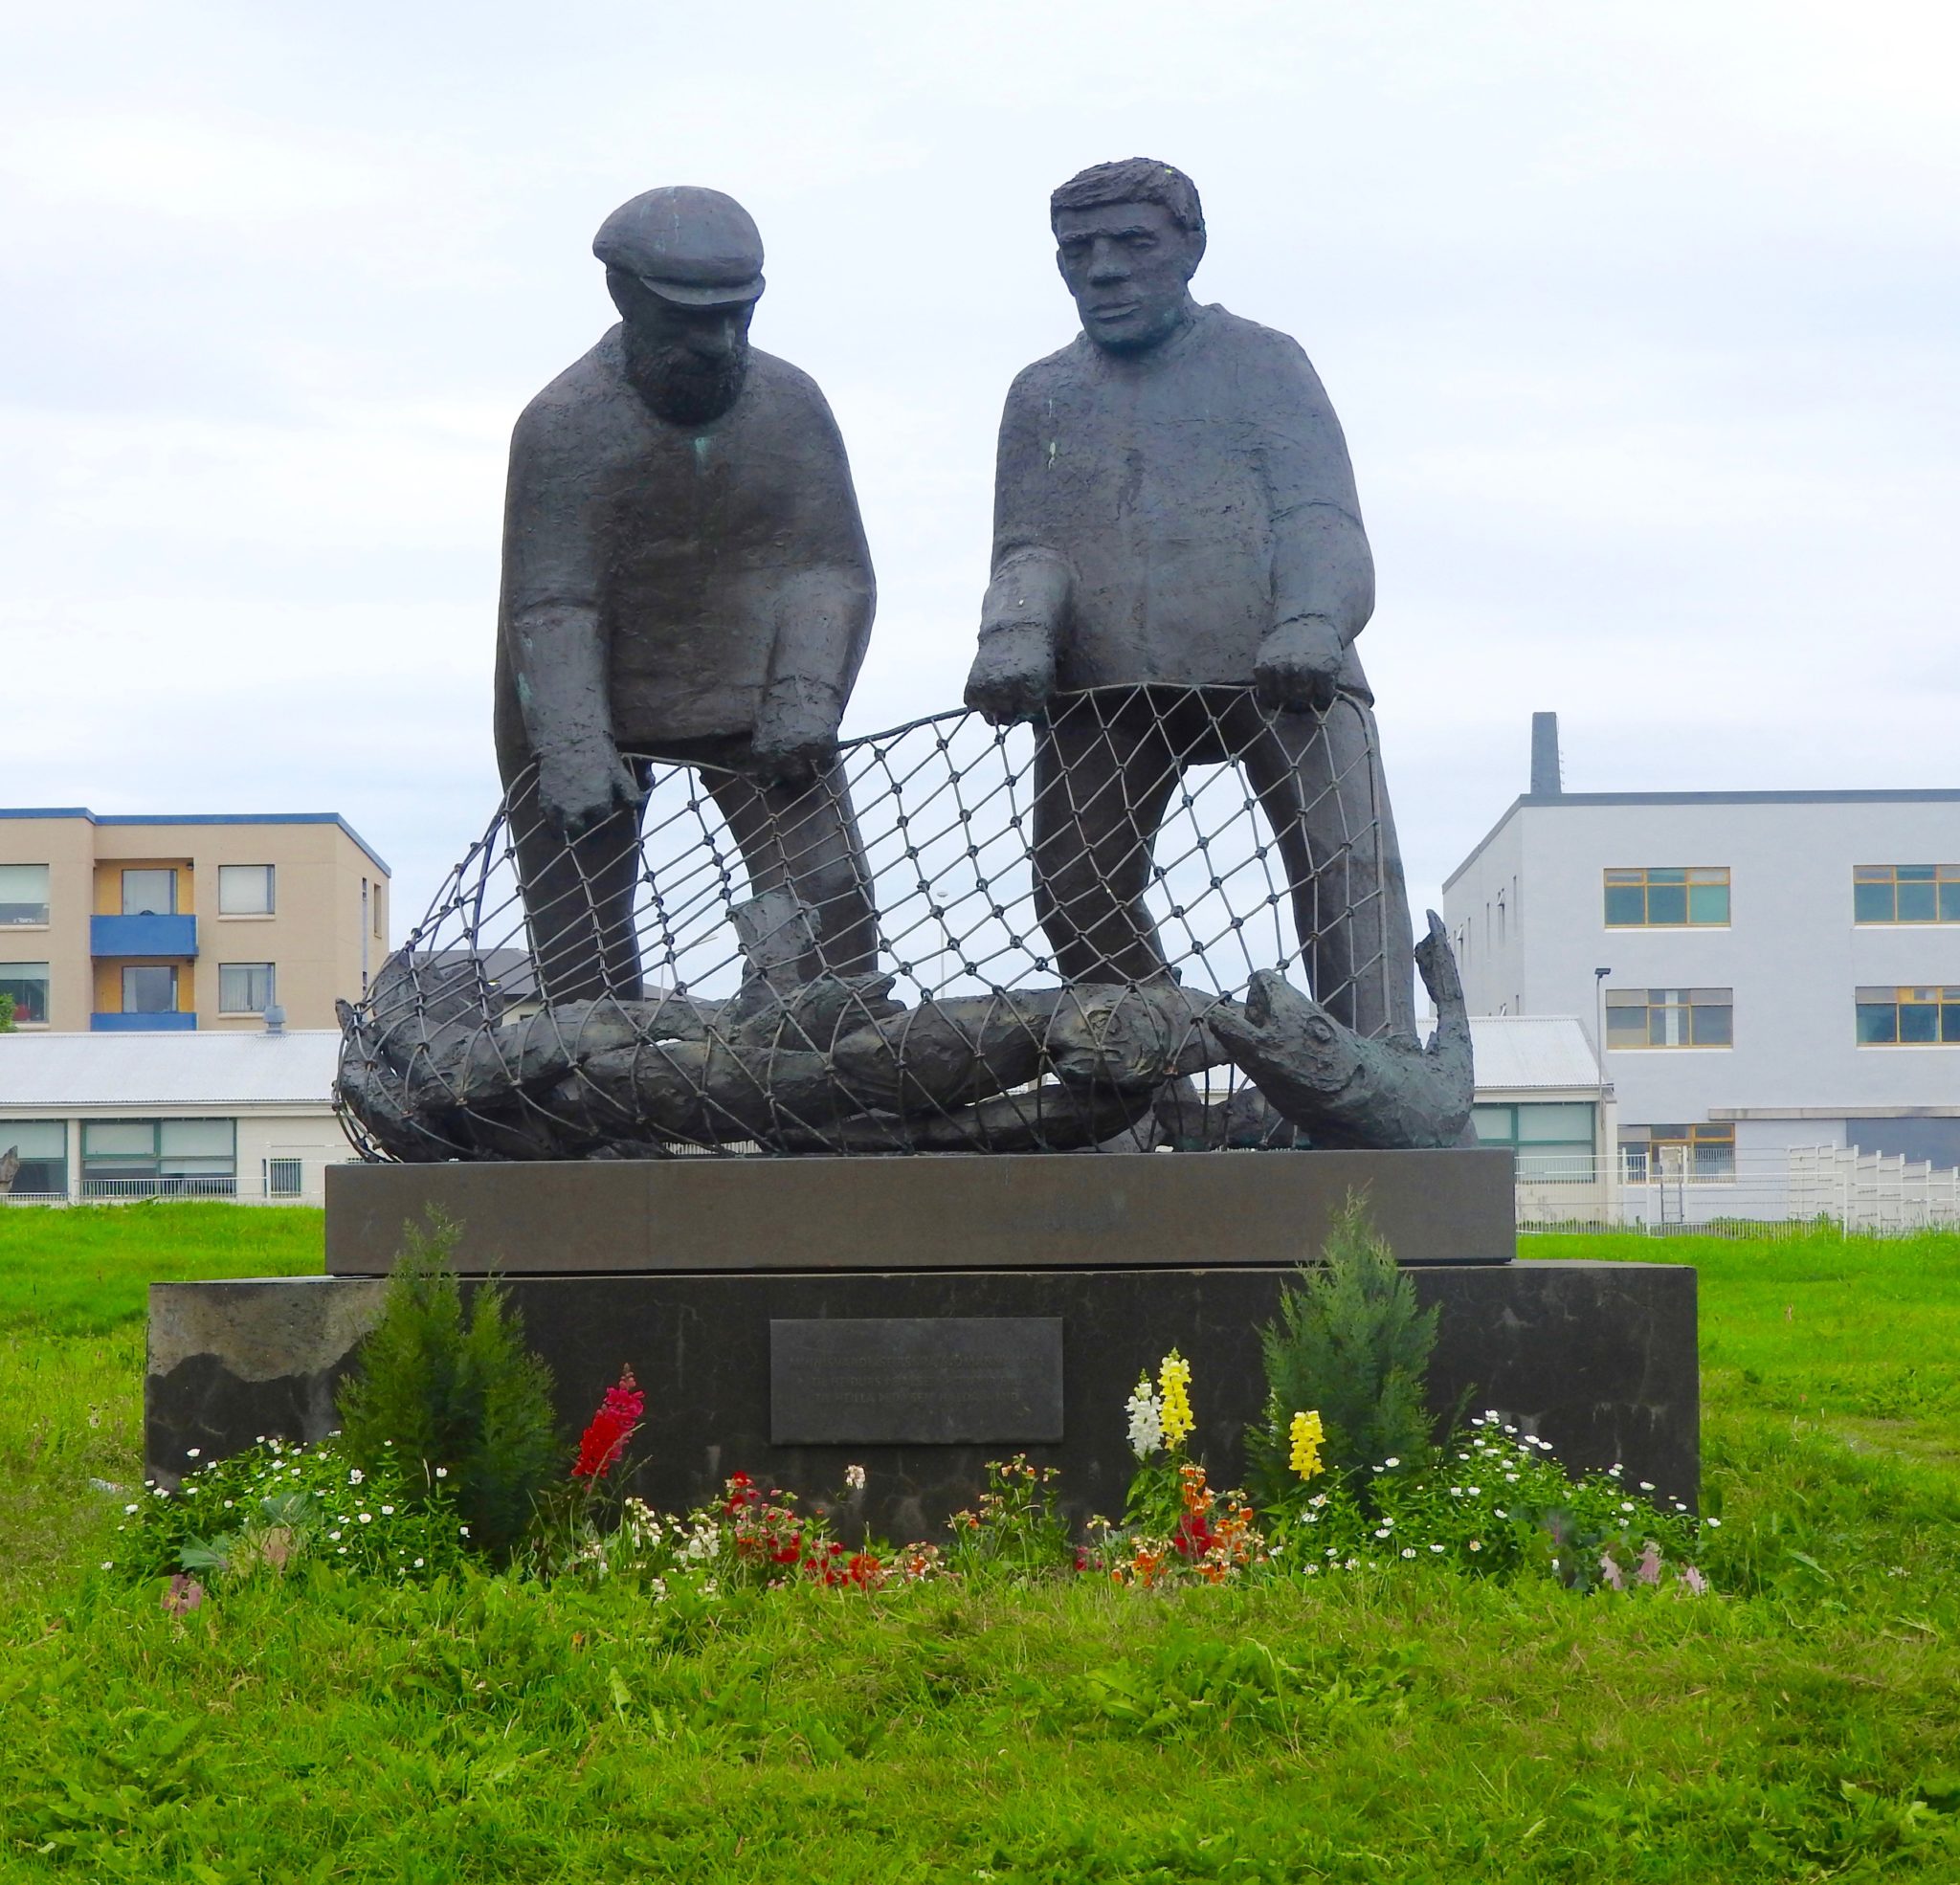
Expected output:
(275, 1020)
(1546, 783)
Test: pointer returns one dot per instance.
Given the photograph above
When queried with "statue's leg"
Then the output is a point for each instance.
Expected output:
(1104, 773)
(577, 897)
(1320, 781)
(804, 840)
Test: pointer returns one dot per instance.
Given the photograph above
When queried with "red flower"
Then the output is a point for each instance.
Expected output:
(1196, 1535)
(862, 1569)
(612, 1425)
(740, 1491)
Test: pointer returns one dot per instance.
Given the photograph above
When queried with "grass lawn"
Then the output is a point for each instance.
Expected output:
(1802, 1724)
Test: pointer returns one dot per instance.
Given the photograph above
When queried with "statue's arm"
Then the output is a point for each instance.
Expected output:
(823, 605)
(1323, 568)
(553, 639)
(1026, 607)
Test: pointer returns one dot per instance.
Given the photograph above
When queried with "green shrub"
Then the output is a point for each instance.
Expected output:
(1351, 1345)
(5, 1015)
(456, 1390)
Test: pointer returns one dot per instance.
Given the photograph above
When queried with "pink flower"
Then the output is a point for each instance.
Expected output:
(1648, 1569)
(184, 1594)
(1611, 1572)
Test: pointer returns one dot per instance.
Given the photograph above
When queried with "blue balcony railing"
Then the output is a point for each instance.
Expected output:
(142, 1023)
(143, 936)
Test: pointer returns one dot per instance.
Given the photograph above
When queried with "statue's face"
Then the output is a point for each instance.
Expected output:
(689, 362)
(1129, 268)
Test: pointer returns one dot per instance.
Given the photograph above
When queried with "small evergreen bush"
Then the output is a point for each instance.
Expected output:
(1351, 1345)
(454, 1389)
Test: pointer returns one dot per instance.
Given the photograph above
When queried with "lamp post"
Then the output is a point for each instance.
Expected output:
(1608, 1155)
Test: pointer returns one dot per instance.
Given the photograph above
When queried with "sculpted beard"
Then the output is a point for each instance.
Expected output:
(680, 384)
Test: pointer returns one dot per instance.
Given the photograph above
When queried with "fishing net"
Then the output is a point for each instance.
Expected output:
(957, 936)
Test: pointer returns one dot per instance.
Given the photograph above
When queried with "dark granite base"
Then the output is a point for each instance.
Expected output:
(1016, 1212)
(1597, 1358)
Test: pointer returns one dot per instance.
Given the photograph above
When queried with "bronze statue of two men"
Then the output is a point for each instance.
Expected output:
(1179, 576)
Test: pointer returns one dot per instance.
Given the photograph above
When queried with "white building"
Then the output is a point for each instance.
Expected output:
(1770, 969)
(98, 1118)
(1539, 1091)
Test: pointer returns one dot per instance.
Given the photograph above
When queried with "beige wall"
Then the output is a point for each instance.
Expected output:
(315, 937)
(67, 847)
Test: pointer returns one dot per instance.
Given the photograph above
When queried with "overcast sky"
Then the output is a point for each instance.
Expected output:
(1641, 321)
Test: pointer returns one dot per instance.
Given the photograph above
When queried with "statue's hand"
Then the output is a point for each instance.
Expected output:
(1299, 666)
(795, 732)
(1013, 673)
(582, 785)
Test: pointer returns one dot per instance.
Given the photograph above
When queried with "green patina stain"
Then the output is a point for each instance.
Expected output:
(700, 452)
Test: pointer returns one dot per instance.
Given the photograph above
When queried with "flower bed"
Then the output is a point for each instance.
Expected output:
(1491, 1502)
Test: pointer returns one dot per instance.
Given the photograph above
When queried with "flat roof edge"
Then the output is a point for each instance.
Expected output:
(1876, 796)
(1483, 844)
(374, 856)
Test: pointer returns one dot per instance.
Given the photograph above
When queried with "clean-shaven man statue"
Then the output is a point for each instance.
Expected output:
(685, 577)
(1175, 515)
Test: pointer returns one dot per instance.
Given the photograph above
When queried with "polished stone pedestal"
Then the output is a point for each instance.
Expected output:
(1016, 1212)
(798, 1365)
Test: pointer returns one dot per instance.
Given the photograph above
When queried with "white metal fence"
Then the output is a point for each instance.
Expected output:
(1741, 1194)
(1749, 1194)
(277, 1181)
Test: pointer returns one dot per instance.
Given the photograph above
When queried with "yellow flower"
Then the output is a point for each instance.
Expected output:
(1306, 1436)
(1173, 1382)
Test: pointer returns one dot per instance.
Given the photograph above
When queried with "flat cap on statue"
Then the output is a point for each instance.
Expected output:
(694, 246)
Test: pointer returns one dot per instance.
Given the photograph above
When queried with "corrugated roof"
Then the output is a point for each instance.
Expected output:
(1520, 1051)
(53, 1071)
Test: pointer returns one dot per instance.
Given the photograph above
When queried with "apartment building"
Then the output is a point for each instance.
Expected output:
(1764, 970)
(121, 924)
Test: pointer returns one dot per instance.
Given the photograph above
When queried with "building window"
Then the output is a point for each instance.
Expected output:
(380, 914)
(245, 987)
(1670, 1017)
(285, 1178)
(245, 890)
(1664, 1152)
(1552, 1139)
(1690, 898)
(1905, 892)
(149, 893)
(159, 1159)
(1908, 1017)
(43, 1148)
(27, 984)
(149, 988)
(23, 895)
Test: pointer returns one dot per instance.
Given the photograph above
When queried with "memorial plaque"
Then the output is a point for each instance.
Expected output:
(925, 1380)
